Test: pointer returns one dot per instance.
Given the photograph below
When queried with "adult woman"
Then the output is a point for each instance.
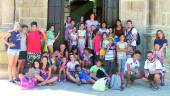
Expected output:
(160, 39)
(12, 39)
(70, 71)
(91, 21)
(118, 28)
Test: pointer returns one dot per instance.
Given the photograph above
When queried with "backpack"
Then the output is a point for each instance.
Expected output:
(26, 84)
(138, 36)
(100, 84)
(115, 82)
(100, 74)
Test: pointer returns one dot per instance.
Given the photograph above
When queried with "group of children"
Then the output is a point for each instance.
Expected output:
(90, 52)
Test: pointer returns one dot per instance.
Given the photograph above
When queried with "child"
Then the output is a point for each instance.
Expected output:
(51, 38)
(81, 39)
(67, 25)
(121, 53)
(96, 42)
(87, 59)
(74, 50)
(104, 43)
(83, 75)
(73, 37)
(33, 75)
(63, 68)
(45, 73)
(90, 36)
(12, 39)
(103, 28)
(34, 38)
(110, 56)
(159, 54)
(97, 71)
(23, 49)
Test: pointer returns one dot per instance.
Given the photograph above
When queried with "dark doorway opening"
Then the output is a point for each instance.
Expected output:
(80, 8)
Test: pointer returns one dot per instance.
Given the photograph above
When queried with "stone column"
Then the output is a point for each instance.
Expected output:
(110, 10)
(7, 14)
(138, 12)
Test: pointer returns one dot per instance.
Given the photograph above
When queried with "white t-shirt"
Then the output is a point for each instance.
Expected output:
(81, 32)
(71, 66)
(133, 64)
(102, 30)
(153, 66)
(121, 45)
(134, 33)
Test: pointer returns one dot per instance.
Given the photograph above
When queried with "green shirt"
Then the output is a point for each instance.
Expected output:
(50, 35)
(94, 69)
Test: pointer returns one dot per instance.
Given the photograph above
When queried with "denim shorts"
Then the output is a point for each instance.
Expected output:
(13, 51)
(50, 42)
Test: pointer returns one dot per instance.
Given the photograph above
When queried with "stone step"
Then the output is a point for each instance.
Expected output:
(3, 71)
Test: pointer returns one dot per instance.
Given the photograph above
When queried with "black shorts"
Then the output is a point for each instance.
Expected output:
(23, 55)
(151, 77)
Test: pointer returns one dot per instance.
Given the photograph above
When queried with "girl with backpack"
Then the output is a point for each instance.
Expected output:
(29, 79)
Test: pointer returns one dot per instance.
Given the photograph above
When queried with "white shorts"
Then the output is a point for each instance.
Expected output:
(50, 42)
(13, 51)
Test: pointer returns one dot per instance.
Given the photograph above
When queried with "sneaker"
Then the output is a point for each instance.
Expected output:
(15, 81)
(155, 87)
(162, 84)
(78, 83)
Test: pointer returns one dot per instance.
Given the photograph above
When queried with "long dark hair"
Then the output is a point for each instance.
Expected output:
(47, 65)
(115, 24)
(33, 64)
(157, 37)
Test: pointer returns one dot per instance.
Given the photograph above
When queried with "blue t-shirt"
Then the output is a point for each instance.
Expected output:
(160, 42)
(15, 38)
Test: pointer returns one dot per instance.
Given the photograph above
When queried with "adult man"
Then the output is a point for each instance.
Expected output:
(152, 70)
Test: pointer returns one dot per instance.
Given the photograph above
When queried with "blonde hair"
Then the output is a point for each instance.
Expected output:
(16, 25)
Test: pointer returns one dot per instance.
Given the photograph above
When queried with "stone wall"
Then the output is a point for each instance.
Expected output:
(147, 16)
(32, 10)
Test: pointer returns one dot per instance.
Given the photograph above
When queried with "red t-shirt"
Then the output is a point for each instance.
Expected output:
(34, 42)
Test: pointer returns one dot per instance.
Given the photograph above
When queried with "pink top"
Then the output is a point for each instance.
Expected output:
(34, 42)
(159, 55)
(97, 40)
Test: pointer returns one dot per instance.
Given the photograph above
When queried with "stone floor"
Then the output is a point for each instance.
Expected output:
(68, 89)
(139, 88)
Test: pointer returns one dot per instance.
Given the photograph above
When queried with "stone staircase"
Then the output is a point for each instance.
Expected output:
(3, 58)
(3, 71)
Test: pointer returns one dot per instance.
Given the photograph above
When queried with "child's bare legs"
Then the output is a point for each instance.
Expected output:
(52, 80)
(70, 77)
(21, 64)
(14, 67)
(64, 72)
(10, 63)
(50, 49)
(59, 75)
(39, 78)
(53, 68)
(84, 81)
(91, 81)
(21, 76)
